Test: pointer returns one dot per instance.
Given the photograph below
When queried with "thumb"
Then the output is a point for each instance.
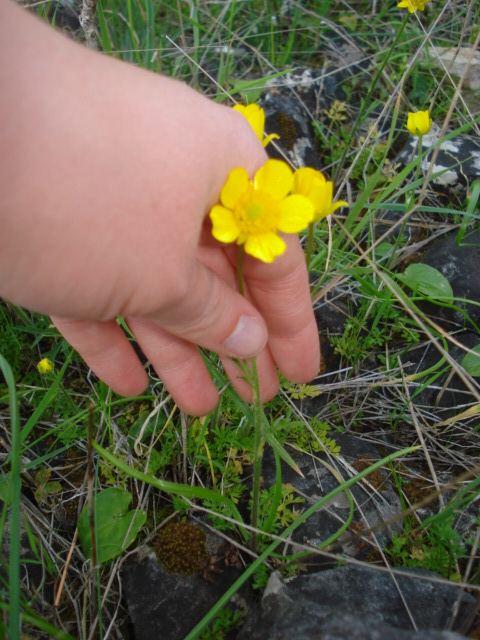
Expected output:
(212, 314)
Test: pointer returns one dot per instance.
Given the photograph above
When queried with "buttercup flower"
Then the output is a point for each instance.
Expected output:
(45, 366)
(413, 5)
(256, 117)
(418, 123)
(253, 212)
(313, 185)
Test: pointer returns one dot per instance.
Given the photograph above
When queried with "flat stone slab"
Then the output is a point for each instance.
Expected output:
(356, 602)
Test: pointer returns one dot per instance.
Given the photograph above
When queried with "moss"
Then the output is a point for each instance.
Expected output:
(287, 129)
(376, 479)
(181, 547)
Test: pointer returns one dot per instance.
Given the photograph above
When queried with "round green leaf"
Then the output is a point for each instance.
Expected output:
(471, 362)
(117, 527)
(429, 281)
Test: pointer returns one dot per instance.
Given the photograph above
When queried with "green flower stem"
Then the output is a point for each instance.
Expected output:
(410, 196)
(241, 285)
(251, 376)
(367, 102)
(419, 166)
(257, 450)
(309, 245)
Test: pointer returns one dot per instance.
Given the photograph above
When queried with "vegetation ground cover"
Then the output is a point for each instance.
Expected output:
(73, 440)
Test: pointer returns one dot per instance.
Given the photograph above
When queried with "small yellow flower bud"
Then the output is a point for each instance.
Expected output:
(419, 123)
(45, 366)
(413, 5)
(313, 185)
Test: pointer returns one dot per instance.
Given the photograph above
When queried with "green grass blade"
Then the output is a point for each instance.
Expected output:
(106, 46)
(173, 488)
(35, 621)
(133, 38)
(267, 528)
(14, 501)
(46, 400)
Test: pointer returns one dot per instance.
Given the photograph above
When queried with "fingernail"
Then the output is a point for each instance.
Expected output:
(248, 338)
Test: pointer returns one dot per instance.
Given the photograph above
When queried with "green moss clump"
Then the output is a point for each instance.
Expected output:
(181, 547)
(287, 129)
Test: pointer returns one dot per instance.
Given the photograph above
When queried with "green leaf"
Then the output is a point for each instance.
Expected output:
(383, 249)
(117, 527)
(251, 90)
(471, 362)
(429, 281)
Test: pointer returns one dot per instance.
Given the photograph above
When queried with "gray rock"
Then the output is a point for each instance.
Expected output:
(169, 605)
(446, 394)
(459, 262)
(286, 117)
(292, 102)
(378, 503)
(354, 603)
(458, 161)
(64, 14)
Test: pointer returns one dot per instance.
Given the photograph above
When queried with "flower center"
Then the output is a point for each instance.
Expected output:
(254, 211)
(257, 212)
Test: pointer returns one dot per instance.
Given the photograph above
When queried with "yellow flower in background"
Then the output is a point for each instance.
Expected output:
(313, 185)
(256, 117)
(419, 123)
(413, 5)
(252, 213)
(45, 366)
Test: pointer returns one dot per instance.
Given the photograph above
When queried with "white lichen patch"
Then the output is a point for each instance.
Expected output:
(300, 148)
(447, 177)
(476, 160)
(449, 146)
(430, 138)
(450, 268)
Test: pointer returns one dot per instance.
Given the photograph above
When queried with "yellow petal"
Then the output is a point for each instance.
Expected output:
(419, 123)
(45, 366)
(339, 203)
(305, 178)
(296, 213)
(275, 178)
(255, 116)
(268, 139)
(265, 247)
(413, 5)
(411, 126)
(424, 122)
(321, 195)
(235, 186)
(224, 224)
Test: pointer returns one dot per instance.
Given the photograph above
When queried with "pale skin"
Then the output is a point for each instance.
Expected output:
(107, 175)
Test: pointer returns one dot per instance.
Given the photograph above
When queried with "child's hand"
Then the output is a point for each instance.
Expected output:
(107, 175)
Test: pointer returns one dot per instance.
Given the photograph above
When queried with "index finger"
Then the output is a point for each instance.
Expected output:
(281, 293)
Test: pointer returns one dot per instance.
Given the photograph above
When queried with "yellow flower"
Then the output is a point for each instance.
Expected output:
(418, 123)
(256, 117)
(45, 366)
(253, 212)
(313, 185)
(413, 5)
